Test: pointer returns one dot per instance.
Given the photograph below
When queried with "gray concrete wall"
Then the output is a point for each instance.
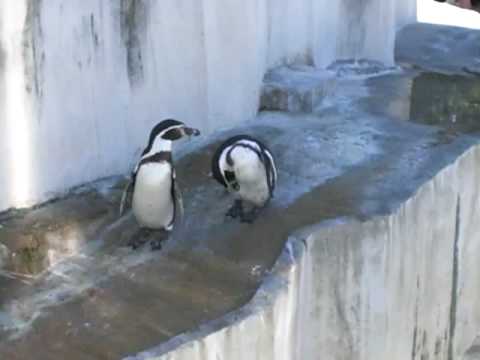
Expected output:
(400, 287)
(87, 79)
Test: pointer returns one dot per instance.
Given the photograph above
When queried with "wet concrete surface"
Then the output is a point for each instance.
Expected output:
(357, 156)
(37, 239)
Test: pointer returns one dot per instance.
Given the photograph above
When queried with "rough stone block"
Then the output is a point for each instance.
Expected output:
(299, 89)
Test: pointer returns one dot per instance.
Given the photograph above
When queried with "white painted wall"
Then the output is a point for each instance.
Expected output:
(82, 83)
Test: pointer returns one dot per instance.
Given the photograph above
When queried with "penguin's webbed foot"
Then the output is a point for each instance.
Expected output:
(157, 242)
(156, 245)
(250, 216)
(139, 239)
(236, 210)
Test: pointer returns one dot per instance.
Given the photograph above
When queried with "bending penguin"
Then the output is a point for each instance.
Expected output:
(152, 191)
(245, 167)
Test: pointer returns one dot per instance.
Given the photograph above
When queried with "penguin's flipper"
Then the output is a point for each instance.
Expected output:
(270, 169)
(177, 196)
(126, 201)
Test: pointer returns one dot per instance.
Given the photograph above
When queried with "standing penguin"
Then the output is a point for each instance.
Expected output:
(152, 191)
(245, 167)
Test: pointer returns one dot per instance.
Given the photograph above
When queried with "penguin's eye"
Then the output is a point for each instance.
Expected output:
(173, 134)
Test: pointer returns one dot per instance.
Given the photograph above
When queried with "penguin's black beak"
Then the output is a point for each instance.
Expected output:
(191, 131)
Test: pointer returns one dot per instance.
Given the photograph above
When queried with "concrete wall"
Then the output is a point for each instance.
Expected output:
(404, 286)
(82, 82)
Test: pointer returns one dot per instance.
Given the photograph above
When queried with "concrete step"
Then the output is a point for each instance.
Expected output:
(296, 89)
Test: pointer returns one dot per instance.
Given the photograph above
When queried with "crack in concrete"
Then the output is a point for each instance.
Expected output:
(415, 331)
(453, 304)
(93, 31)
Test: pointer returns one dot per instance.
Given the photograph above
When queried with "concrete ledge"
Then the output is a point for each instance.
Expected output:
(398, 286)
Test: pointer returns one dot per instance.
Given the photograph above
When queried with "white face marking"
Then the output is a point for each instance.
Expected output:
(160, 144)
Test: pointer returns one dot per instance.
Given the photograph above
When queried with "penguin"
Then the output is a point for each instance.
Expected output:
(246, 168)
(152, 192)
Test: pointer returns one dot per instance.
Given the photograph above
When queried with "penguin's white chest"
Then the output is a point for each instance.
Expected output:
(153, 205)
(252, 180)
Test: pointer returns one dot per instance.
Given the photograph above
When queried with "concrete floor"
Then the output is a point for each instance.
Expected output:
(365, 150)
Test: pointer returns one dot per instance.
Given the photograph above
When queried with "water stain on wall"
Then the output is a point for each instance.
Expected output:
(3, 60)
(3, 56)
(33, 53)
(93, 31)
(354, 26)
(133, 20)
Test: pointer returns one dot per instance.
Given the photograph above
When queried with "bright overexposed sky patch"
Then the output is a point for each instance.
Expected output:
(430, 11)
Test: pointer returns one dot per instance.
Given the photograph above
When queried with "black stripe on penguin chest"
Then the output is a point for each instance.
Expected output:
(162, 157)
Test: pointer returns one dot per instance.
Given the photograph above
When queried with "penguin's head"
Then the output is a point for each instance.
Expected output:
(171, 130)
(165, 132)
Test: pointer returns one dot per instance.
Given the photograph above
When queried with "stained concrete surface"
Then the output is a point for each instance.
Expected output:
(354, 157)
(400, 280)
(343, 161)
(212, 266)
